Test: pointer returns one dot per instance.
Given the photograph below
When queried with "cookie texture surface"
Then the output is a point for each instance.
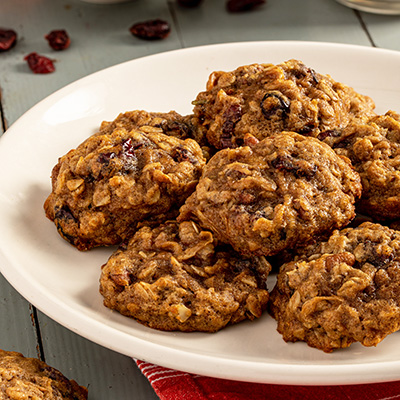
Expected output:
(263, 99)
(170, 123)
(275, 194)
(109, 183)
(177, 277)
(341, 291)
(374, 149)
(30, 378)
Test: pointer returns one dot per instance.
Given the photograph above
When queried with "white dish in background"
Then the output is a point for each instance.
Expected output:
(63, 282)
(385, 7)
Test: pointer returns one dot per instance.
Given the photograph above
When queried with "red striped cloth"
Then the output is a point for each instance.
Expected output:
(170, 384)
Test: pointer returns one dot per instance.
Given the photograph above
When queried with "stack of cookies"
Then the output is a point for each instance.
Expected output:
(269, 172)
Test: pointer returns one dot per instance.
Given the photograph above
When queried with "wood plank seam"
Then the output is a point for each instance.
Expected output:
(3, 118)
(364, 27)
(175, 22)
(38, 334)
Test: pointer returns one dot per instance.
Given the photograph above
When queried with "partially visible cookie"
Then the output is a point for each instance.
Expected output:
(111, 182)
(341, 291)
(276, 194)
(177, 277)
(374, 149)
(29, 378)
(264, 99)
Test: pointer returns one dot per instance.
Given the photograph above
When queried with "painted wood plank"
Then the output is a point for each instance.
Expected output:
(107, 374)
(310, 20)
(17, 331)
(384, 30)
(100, 38)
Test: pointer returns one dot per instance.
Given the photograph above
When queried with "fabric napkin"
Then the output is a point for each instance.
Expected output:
(171, 384)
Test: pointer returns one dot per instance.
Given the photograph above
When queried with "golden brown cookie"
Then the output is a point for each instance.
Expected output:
(264, 99)
(176, 277)
(111, 182)
(341, 291)
(29, 378)
(276, 194)
(374, 149)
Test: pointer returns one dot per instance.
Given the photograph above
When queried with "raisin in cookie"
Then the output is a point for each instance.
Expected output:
(275, 194)
(110, 182)
(341, 291)
(30, 378)
(263, 99)
(374, 149)
(176, 277)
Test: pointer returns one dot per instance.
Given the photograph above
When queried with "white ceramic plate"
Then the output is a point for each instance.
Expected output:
(63, 282)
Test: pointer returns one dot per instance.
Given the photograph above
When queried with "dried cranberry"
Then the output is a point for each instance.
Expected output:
(182, 154)
(329, 133)
(289, 164)
(58, 39)
(175, 128)
(8, 38)
(62, 218)
(231, 117)
(377, 256)
(64, 213)
(226, 141)
(245, 198)
(151, 30)
(189, 3)
(283, 163)
(128, 149)
(314, 76)
(39, 64)
(307, 129)
(274, 102)
(104, 158)
(243, 5)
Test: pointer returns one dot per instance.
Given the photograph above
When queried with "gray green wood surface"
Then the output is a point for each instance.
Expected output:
(100, 38)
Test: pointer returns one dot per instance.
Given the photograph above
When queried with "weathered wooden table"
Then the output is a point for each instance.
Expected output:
(100, 38)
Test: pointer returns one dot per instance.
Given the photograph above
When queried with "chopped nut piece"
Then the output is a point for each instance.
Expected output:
(181, 312)
(73, 184)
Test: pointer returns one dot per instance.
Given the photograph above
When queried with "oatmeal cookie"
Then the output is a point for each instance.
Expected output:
(341, 291)
(109, 183)
(275, 194)
(30, 378)
(177, 277)
(264, 99)
(374, 149)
